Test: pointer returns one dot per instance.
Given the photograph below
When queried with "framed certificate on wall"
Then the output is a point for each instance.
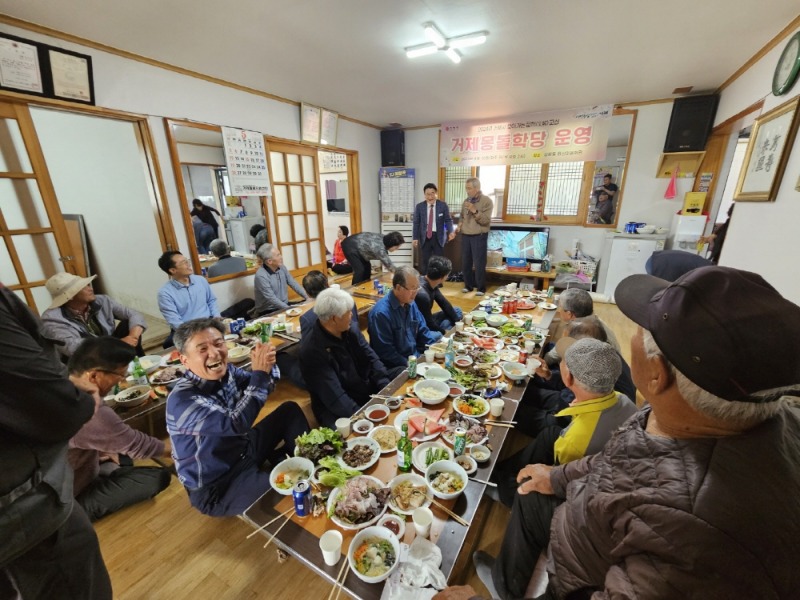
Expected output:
(329, 128)
(20, 66)
(71, 75)
(309, 123)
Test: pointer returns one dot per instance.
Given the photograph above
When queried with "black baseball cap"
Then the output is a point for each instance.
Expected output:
(729, 331)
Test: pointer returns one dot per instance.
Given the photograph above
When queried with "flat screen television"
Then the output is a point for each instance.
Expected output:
(520, 242)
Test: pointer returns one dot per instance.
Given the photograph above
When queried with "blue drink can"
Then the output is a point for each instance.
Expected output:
(204, 271)
(302, 498)
(376, 283)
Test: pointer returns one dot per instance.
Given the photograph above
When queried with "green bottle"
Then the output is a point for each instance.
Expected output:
(404, 451)
(139, 374)
(265, 332)
(449, 354)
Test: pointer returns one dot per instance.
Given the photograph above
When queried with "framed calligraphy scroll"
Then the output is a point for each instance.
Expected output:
(767, 153)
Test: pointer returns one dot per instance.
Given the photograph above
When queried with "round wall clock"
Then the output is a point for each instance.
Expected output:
(788, 67)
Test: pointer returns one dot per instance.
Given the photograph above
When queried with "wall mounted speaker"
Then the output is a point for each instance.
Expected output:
(393, 148)
(691, 123)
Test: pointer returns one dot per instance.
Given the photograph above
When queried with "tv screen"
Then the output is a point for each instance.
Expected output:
(520, 242)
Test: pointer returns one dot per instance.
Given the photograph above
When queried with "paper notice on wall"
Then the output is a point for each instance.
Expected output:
(705, 182)
(246, 158)
(19, 66)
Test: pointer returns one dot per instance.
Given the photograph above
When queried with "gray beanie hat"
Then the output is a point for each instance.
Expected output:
(595, 365)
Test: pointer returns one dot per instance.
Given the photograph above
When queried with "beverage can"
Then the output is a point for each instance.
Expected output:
(460, 441)
(302, 498)
(204, 271)
(376, 283)
(523, 356)
(412, 366)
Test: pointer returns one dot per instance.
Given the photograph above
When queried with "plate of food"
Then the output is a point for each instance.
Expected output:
(173, 358)
(487, 357)
(149, 363)
(525, 305)
(360, 453)
(508, 355)
(293, 312)
(167, 376)
(487, 332)
(427, 453)
(476, 433)
(332, 474)
(547, 306)
(387, 437)
(238, 354)
(423, 424)
(470, 405)
(288, 472)
(408, 492)
(318, 443)
(487, 343)
(358, 503)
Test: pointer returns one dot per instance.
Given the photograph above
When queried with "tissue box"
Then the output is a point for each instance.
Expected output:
(516, 264)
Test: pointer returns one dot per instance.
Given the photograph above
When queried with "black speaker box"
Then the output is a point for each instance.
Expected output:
(393, 148)
(691, 123)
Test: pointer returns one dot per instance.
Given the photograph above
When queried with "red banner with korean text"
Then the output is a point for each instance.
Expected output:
(556, 136)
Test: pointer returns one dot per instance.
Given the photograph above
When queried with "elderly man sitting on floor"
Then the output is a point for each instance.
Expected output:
(339, 366)
(220, 456)
(696, 495)
(590, 368)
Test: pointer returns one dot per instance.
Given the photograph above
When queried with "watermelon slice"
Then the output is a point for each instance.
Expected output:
(414, 402)
(417, 423)
(435, 415)
(432, 427)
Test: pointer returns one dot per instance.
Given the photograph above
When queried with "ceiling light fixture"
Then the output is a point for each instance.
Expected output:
(453, 55)
(447, 45)
(434, 35)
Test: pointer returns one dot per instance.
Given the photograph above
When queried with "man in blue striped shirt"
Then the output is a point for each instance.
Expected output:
(218, 452)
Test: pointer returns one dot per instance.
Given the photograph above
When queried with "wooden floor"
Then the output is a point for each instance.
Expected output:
(164, 549)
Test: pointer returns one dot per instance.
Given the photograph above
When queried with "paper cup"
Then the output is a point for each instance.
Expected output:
(430, 355)
(533, 364)
(496, 406)
(289, 327)
(460, 326)
(331, 545)
(530, 347)
(281, 318)
(422, 518)
(467, 319)
(343, 426)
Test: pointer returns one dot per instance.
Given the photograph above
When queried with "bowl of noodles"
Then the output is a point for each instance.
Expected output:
(374, 554)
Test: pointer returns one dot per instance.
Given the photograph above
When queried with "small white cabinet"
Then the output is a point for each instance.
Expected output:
(625, 254)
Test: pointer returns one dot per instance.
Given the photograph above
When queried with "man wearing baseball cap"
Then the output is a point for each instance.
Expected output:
(697, 494)
(77, 313)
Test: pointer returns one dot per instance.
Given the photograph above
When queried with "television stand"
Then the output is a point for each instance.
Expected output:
(542, 279)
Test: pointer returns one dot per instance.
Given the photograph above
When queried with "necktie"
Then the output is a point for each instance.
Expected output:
(429, 233)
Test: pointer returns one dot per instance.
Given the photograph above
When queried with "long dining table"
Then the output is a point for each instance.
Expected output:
(299, 536)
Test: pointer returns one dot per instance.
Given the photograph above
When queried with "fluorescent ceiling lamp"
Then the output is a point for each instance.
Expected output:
(434, 35)
(472, 39)
(424, 49)
(453, 55)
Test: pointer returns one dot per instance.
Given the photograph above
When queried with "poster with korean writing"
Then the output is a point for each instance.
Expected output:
(556, 136)
(397, 193)
(246, 158)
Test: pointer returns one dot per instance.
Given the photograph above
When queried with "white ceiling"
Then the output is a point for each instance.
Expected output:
(348, 55)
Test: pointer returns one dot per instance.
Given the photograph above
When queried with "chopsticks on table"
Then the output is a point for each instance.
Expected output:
(489, 483)
(288, 518)
(496, 424)
(340, 584)
(285, 336)
(270, 522)
(453, 515)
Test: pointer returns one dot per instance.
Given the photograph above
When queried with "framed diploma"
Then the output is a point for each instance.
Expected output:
(309, 123)
(71, 76)
(330, 125)
(20, 66)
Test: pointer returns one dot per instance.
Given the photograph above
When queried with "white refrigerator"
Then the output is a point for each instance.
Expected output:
(625, 254)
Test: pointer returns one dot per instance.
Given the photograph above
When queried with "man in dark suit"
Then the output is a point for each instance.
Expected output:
(433, 227)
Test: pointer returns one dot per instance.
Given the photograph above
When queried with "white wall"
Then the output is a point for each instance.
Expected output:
(762, 235)
(139, 88)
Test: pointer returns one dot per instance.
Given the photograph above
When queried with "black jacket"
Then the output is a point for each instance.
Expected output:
(425, 298)
(40, 410)
(340, 373)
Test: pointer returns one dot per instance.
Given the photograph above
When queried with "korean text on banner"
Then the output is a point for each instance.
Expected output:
(246, 158)
(557, 136)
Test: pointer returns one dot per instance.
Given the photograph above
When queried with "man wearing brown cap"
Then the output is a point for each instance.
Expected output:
(697, 495)
(77, 313)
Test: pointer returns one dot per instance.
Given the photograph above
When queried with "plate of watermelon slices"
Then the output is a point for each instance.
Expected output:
(423, 424)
